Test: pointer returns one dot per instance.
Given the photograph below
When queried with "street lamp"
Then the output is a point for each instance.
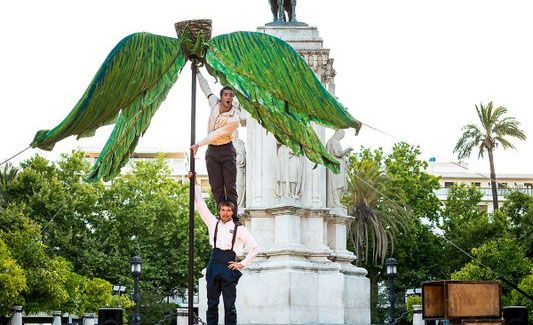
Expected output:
(136, 263)
(391, 270)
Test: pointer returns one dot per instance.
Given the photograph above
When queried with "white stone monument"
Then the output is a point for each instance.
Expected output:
(303, 274)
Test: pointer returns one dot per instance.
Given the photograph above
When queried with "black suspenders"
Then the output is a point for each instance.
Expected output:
(232, 240)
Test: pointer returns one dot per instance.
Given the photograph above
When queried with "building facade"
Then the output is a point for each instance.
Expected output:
(458, 173)
(178, 162)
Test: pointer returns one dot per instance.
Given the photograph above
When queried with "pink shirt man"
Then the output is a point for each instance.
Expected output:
(225, 232)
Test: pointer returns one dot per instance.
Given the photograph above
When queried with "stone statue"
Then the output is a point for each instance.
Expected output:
(289, 172)
(279, 7)
(337, 183)
(240, 148)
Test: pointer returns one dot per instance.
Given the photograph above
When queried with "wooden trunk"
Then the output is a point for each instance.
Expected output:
(456, 300)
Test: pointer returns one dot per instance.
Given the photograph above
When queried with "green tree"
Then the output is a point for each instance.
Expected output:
(503, 258)
(98, 227)
(416, 244)
(147, 214)
(47, 283)
(408, 172)
(519, 210)
(412, 300)
(7, 174)
(377, 218)
(495, 129)
(45, 277)
(466, 225)
(56, 197)
(518, 299)
(12, 280)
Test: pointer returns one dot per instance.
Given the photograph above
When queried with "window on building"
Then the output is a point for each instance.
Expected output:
(448, 184)
(476, 184)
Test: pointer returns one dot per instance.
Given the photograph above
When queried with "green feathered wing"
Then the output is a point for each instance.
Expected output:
(280, 90)
(128, 88)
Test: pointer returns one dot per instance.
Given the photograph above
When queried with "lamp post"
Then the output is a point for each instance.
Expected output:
(391, 270)
(136, 263)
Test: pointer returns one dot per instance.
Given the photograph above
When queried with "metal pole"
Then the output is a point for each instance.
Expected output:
(194, 69)
(391, 299)
(137, 299)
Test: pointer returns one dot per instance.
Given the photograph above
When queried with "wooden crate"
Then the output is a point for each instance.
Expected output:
(455, 300)
(482, 321)
(433, 306)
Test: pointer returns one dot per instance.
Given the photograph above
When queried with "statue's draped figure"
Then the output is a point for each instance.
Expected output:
(337, 183)
(289, 173)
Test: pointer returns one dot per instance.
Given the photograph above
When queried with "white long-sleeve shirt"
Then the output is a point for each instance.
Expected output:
(220, 126)
(225, 231)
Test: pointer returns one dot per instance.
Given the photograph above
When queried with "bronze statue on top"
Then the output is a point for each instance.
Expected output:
(279, 7)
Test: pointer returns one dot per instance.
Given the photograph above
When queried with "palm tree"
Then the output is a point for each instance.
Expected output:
(371, 200)
(495, 130)
(378, 216)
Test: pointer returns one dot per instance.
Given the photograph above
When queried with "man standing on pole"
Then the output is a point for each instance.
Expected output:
(221, 156)
(227, 238)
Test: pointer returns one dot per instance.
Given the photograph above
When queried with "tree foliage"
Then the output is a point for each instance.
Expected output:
(377, 219)
(504, 258)
(44, 283)
(12, 279)
(519, 209)
(410, 187)
(466, 225)
(54, 222)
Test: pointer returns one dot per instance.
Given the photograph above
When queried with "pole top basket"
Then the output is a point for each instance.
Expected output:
(195, 26)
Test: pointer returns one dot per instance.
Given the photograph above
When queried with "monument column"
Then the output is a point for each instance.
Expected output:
(303, 274)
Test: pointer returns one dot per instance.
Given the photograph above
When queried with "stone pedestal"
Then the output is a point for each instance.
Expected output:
(303, 274)
(417, 315)
(88, 319)
(57, 318)
(16, 318)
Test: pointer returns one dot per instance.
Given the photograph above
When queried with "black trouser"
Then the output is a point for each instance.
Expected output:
(221, 279)
(221, 163)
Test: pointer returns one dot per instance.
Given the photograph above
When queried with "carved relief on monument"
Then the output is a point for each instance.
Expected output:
(289, 173)
(337, 183)
(322, 66)
(240, 148)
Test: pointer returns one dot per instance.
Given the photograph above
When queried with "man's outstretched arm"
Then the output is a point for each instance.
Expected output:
(231, 125)
(213, 100)
(206, 215)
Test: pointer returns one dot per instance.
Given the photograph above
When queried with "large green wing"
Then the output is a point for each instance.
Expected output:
(128, 88)
(279, 89)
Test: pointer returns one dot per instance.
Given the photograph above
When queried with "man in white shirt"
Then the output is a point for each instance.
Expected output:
(227, 240)
(220, 158)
